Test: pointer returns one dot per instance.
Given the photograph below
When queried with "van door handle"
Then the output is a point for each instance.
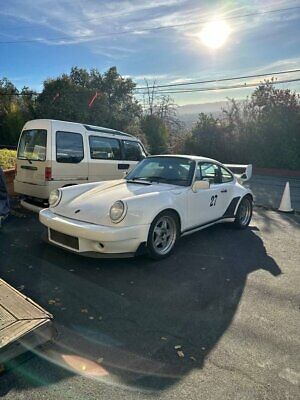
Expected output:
(29, 167)
(224, 191)
(123, 166)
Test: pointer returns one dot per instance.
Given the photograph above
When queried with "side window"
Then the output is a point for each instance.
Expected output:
(69, 147)
(226, 175)
(209, 172)
(133, 151)
(103, 148)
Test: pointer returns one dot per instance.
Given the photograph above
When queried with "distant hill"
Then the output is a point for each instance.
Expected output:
(189, 112)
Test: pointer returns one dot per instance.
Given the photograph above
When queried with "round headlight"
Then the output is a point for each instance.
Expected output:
(117, 211)
(54, 198)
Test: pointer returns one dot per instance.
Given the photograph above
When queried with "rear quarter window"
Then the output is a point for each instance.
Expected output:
(69, 147)
(226, 175)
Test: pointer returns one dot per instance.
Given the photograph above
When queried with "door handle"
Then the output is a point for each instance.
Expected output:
(224, 191)
(123, 166)
(29, 167)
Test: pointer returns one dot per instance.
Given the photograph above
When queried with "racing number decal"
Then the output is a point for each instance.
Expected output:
(213, 200)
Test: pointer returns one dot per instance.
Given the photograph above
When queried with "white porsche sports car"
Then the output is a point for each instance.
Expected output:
(163, 198)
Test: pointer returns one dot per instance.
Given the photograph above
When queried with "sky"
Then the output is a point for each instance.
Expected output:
(45, 38)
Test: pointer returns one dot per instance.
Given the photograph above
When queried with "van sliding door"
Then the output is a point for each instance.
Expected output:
(105, 159)
(70, 164)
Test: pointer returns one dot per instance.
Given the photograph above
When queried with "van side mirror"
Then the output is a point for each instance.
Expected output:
(200, 185)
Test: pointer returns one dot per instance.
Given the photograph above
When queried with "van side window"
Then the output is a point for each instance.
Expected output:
(104, 148)
(69, 147)
(133, 151)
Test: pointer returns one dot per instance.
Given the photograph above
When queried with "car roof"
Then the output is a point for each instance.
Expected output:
(188, 156)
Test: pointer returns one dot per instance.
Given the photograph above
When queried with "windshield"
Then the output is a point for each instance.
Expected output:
(174, 170)
(32, 145)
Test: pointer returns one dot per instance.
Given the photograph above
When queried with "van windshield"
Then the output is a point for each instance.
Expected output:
(32, 145)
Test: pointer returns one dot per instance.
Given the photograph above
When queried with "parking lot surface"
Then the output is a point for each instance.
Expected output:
(219, 319)
(268, 190)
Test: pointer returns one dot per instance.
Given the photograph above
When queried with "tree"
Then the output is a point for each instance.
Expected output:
(263, 130)
(208, 138)
(156, 133)
(68, 96)
(163, 107)
(15, 109)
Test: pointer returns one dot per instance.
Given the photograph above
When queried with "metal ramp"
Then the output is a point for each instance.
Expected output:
(23, 323)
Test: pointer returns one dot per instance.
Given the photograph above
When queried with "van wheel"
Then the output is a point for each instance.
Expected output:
(163, 235)
(244, 213)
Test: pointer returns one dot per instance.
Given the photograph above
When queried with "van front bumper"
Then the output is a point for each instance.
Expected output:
(93, 240)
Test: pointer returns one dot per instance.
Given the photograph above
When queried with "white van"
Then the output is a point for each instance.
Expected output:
(53, 154)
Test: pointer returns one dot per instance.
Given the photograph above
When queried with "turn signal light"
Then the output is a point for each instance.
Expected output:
(48, 174)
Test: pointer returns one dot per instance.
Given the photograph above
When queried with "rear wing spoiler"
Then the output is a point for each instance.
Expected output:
(242, 172)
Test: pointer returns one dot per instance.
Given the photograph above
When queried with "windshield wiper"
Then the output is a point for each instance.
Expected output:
(25, 158)
(141, 180)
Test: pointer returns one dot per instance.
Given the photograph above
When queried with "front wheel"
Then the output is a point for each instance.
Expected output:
(163, 235)
(244, 213)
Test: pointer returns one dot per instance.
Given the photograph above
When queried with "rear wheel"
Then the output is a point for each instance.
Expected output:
(244, 213)
(163, 235)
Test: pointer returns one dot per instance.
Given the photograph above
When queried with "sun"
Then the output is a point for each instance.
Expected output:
(214, 34)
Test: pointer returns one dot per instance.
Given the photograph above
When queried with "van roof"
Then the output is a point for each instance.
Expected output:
(88, 127)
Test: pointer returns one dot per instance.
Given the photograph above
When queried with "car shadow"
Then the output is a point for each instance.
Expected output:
(138, 323)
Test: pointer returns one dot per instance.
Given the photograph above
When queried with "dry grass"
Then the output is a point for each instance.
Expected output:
(7, 158)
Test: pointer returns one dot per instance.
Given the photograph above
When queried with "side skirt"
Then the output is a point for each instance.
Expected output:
(199, 228)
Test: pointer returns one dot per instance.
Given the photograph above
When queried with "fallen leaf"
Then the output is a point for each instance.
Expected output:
(163, 338)
(91, 317)
(177, 347)
(180, 353)
(51, 301)
(193, 358)
(100, 360)
(84, 310)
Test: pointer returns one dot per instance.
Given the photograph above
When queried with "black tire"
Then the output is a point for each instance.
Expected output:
(158, 233)
(244, 213)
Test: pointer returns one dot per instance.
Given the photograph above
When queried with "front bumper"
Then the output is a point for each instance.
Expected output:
(95, 240)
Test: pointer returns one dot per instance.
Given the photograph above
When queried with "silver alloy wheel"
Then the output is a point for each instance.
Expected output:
(245, 212)
(164, 235)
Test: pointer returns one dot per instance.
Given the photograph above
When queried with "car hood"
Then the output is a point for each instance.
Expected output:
(93, 205)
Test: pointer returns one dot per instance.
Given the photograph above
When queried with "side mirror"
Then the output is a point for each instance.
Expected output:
(199, 185)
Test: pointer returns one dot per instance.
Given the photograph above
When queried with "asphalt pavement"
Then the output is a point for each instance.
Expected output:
(268, 190)
(219, 319)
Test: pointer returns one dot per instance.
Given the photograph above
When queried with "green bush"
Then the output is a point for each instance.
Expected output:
(7, 158)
